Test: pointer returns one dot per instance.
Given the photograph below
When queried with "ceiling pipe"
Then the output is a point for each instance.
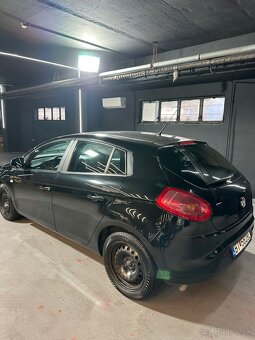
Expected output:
(155, 71)
(178, 61)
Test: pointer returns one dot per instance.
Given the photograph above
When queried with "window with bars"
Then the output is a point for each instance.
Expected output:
(193, 110)
(51, 113)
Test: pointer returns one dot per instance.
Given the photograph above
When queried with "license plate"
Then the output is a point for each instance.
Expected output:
(240, 245)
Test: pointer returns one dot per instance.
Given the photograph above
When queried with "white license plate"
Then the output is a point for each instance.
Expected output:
(240, 245)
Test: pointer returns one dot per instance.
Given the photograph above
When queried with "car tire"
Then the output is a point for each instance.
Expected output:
(7, 208)
(129, 266)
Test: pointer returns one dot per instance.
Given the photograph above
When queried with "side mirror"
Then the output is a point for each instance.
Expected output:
(17, 163)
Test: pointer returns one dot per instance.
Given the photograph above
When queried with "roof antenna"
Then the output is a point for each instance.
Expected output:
(165, 125)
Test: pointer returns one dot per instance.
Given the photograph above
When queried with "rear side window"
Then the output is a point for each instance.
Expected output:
(197, 160)
(90, 157)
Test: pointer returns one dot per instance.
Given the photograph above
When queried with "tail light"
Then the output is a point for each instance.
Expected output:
(184, 204)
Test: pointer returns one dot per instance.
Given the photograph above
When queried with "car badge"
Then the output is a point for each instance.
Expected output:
(243, 202)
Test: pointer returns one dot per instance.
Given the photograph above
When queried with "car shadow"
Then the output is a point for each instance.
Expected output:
(222, 302)
(63, 239)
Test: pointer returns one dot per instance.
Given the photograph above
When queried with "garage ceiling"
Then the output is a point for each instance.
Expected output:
(128, 27)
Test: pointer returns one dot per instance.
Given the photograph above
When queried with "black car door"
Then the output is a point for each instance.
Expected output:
(32, 185)
(86, 187)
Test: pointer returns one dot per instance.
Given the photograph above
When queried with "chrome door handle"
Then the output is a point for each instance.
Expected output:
(15, 179)
(25, 175)
(44, 188)
(95, 198)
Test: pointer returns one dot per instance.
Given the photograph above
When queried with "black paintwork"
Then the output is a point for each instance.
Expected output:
(65, 202)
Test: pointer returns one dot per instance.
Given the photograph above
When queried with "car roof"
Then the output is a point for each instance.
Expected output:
(137, 137)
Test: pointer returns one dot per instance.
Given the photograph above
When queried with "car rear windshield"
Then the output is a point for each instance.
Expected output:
(197, 161)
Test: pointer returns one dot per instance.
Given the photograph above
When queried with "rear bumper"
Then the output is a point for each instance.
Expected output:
(216, 255)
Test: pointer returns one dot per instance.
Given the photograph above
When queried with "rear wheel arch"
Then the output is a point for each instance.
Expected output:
(107, 230)
(129, 266)
(104, 233)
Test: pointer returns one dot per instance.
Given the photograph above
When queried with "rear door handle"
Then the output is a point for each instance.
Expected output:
(44, 188)
(15, 179)
(95, 198)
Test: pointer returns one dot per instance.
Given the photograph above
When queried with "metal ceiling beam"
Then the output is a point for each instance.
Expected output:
(55, 85)
(150, 74)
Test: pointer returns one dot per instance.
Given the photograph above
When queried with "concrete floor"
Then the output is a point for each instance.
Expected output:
(51, 288)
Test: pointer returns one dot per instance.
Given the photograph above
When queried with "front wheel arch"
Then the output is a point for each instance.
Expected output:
(10, 213)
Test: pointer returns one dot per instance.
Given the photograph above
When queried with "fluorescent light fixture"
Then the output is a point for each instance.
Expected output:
(23, 25)
(2, 107)
(88, 63)
(80, 110)
(36, 60)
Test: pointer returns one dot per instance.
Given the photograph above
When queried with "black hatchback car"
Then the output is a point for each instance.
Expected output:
(155, 206)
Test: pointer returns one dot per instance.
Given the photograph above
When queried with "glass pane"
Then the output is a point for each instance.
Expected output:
(118, 163)
(56, 113)
(190, 110)
(49, 157)
(48, 113)
(150, 111)
(213, 109)
(63, 113)
(168, 111)
(90, 157)
(196, 161)
(40, 113)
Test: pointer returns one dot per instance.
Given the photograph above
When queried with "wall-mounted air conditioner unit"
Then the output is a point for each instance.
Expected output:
(114, 103)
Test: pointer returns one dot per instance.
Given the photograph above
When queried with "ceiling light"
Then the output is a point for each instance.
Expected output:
(88, 63)
(23, 25)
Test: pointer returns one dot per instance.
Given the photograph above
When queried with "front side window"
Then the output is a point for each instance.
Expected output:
(48, 157)
(90, 157)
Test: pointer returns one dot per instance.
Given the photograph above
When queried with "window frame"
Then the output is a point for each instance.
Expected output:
(179, 100)
(213, 121)
(199, 111)
(157, 114)
(177, 112)
(44, 115)
(36, 150)
(128, 159)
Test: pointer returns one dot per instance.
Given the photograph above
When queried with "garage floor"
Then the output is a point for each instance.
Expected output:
(51, 288)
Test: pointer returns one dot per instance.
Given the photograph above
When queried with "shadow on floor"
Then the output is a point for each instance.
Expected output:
(217, 302)
(202, 303)
(63, 239)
